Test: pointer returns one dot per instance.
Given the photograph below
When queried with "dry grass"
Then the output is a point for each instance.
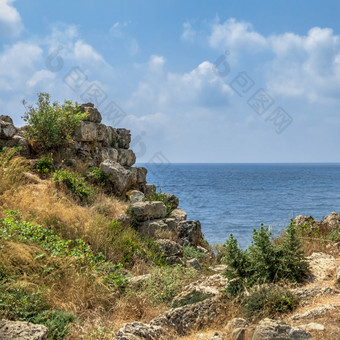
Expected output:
(11, 169)
(42, 203)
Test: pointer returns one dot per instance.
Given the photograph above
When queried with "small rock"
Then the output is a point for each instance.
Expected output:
(313, 313)
(138, 330)
(312, 327)
(193, 263)
(179, 214)
(93, 114)
(236, 323)
(19, 330)
(217, 336)
(171, 199)
(135, 196)
(238, 334)
(200, 337)
(269, 329)
(219, 268)
(139, 280)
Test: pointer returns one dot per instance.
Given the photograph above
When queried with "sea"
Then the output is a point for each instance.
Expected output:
(236, 198)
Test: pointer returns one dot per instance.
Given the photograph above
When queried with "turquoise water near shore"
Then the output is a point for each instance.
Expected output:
(235, 198)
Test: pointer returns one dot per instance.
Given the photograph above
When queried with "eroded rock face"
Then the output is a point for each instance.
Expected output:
(124, 138)
(236, 323)
(195, 316)
(190, 232)
(121, 179)
(269, 329)
(303, 220)
(172, 200)
(135, 196)
(19, 330)
(145, 211)
(313, 313)
(202, 289)
(126, 157)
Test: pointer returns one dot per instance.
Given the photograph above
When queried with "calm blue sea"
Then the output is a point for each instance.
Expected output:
(235, 198)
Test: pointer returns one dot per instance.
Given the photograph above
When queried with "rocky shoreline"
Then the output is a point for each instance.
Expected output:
(201, 304)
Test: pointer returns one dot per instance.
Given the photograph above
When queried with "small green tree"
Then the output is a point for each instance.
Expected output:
(237, 265)
(292, 264)
(50, 126)
(262, 256)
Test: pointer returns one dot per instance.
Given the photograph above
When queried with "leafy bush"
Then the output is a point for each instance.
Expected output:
(20, 303)
(51, 126)
(264, 261)
(97, 176)
(13, 227)
(190, 252)
(268, 302)
(58, 322)
(45, 164)
(75, 183)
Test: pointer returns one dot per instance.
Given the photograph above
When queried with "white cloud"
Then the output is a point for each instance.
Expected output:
(189, 34)
(119, 32)
(236, 35)
(10, 20)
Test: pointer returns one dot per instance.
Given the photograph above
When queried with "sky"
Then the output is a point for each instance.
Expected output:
(195, 81)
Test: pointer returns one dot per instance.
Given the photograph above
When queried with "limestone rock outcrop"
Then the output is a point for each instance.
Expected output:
(19, 330)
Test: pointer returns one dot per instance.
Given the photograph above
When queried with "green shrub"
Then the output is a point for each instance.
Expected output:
(75, 183)
(51, 126)
(190, 252)
(167, 282)
(45, 164)
(20, 303)
(268, 302)
(334, 236)
(58, 322)
(97, 176)
(264, 261)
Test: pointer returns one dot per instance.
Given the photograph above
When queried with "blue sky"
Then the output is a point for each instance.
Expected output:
(195, 81)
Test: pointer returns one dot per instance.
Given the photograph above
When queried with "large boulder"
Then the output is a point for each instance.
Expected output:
(190, 233)
(170, 248)
(321, 265)
(333, 220)
(126, 157)
(158, 228)
(269, 329)
(120, 178)
(301, 220)
(86, 132)
(109, 154)
(93, 114)
(107, 135)
(20, 330)
(6, 119)
(145, 211)
(139, 174)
